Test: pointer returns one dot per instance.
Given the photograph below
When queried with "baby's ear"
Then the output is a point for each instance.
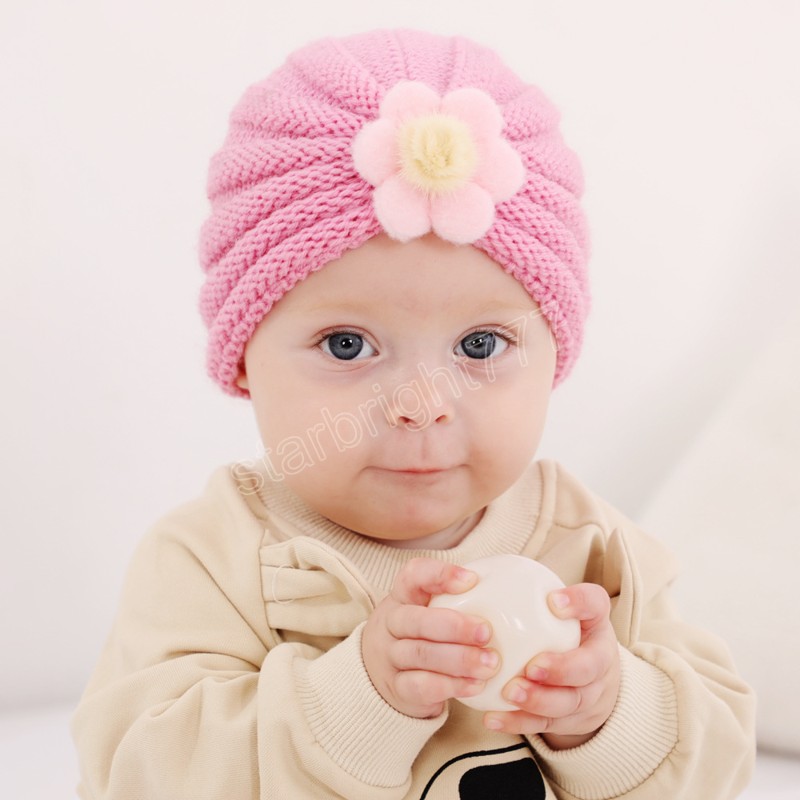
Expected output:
(241, 377)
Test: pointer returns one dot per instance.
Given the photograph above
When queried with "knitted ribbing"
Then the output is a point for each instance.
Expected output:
(286, 198)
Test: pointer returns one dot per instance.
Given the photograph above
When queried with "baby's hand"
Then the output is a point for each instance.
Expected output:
(419, 657)
(567, 697)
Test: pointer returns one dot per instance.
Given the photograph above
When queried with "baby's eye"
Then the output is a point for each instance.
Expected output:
(481, 344)
(347, 346)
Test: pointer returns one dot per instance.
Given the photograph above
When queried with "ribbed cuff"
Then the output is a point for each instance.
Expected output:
(637, 737)
(354, 725)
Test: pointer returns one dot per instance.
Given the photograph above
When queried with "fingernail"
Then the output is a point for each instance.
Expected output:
(483, 633)
(493, 724)
(489, 658)
(465, 577)
(560, 599)
(517, 694)
(536, 672)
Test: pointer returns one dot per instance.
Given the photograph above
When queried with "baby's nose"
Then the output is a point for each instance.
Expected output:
(428, 398)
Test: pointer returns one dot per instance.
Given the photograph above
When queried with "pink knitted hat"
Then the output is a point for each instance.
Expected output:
(393, 131)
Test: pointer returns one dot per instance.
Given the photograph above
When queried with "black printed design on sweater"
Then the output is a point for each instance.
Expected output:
(509, 773)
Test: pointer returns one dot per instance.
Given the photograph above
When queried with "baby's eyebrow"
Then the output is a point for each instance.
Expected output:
(490, 306)
(348, 304)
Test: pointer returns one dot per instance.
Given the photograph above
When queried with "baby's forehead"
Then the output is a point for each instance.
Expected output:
(425, 274)
(425, 284)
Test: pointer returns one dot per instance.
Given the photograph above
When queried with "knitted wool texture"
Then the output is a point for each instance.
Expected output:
(286, 198)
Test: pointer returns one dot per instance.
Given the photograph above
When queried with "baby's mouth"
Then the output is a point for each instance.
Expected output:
(417, 470)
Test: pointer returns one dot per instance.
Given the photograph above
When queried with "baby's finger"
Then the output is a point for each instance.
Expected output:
(551, 702)
(447, 659)
(422, 578)
(586, 602)
(428, 689)
(580, 667)
(438, 625)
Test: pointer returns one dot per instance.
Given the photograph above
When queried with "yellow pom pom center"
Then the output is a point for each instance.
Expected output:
(437, 153)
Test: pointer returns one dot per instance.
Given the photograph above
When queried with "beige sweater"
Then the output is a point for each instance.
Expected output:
(233, 670)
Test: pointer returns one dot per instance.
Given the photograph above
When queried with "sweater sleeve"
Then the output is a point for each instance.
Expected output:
(683, 724)
(334, 736)
(681, 728)
(191, 699)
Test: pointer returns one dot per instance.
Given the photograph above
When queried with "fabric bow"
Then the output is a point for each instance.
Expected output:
(311, 593)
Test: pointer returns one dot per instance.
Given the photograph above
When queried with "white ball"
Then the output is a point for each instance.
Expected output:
(511, 594)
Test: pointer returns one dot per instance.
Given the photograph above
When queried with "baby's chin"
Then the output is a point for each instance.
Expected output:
(417, 536)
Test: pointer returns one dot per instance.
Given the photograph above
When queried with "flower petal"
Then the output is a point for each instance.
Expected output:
(501, 171)
(477, 109)
(375, 151)
(403, 211)
(462, 216)
(409, 99)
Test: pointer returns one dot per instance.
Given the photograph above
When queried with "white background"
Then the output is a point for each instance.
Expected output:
(685, 115)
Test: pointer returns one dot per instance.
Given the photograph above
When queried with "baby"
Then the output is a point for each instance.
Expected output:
(396, 278)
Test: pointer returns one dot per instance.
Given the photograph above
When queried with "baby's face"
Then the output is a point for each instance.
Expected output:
(402, 388)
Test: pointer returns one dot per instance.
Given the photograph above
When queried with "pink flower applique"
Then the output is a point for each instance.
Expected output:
(437, 163)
